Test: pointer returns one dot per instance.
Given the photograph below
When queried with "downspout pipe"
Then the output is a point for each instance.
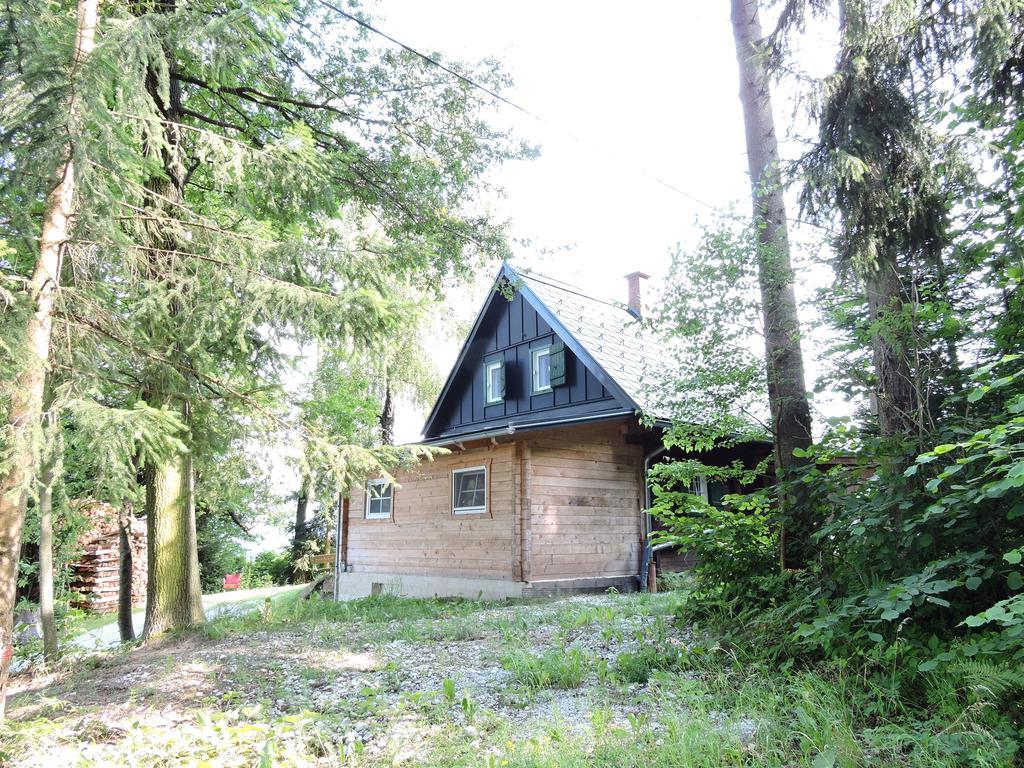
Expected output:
(648, 551)
(337, 545)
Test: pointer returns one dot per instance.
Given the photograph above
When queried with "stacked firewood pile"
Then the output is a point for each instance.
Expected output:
(95, 577)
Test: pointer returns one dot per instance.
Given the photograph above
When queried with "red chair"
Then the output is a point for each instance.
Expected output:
(232, 581)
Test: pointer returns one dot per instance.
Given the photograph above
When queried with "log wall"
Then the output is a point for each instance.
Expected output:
(562, 504)
(424, 537)
(586, 493)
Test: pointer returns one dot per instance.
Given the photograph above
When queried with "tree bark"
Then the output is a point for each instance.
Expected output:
(173, 594)
(899, 409)
(47, 476)
(387, 416)
(27, 388)
(301, 527)
(126, 573)
(301, 507)
(787, 392)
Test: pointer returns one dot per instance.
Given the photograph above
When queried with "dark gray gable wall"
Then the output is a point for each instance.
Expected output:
(510, 330)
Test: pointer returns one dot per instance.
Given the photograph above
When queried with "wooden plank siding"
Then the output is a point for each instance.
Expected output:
(563, 503)
(424, 537)
(586, 494)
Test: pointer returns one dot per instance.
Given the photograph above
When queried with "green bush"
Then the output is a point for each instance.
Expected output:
(926, 548)
(734, 545)
(916, 579)
(267, 569)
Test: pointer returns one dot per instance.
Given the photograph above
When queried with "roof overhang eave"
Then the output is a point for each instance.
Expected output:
(514, 428)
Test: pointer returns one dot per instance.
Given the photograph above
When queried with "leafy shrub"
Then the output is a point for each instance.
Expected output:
(927, 545)
(734, 544)
(267, 569)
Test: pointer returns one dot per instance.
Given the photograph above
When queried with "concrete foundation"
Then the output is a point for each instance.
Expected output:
(362, 584)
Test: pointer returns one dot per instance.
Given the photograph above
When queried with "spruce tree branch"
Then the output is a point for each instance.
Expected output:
(223, 124)
(262, 98)
(238, 521)
(148, 214)
(328, 140)
(210, 381)
(303, 430)
(221, 263)
(325, 87)
(196, 129)
(362, 171)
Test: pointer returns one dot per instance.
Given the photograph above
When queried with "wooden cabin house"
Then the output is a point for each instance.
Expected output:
(545, 486)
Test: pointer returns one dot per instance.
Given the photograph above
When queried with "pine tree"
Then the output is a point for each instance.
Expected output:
(879, 167)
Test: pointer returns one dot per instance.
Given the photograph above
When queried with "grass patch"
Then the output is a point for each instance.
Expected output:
(657, 651)
(554, 669)
(379, 618)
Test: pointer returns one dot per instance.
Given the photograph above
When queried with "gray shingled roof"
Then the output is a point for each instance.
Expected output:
(626, 348)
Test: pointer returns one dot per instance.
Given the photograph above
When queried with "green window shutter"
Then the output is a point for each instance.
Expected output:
(557, 363)
(716, 492)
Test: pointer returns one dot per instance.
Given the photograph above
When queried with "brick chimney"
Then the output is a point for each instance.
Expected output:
(635, 303)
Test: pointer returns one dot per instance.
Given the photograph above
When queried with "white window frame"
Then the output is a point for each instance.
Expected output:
(469, 510)
(489, 397)
(535, 355)
(699, 487)
(378, 482)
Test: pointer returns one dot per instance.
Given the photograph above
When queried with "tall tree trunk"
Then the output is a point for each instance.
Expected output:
(301, 526)
(898, 407)
(47, 475)
(27, 390)
(787, 392)
(173, 591)
(301, 507)
(126, 573)
(173, 594)
(387, 416)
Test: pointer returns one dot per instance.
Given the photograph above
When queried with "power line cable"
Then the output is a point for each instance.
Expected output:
(472, 83)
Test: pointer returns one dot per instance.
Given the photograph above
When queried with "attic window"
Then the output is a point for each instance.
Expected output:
(541, 370)
(379, 495)
(494, 382)
(469, 491)
(548, 367)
